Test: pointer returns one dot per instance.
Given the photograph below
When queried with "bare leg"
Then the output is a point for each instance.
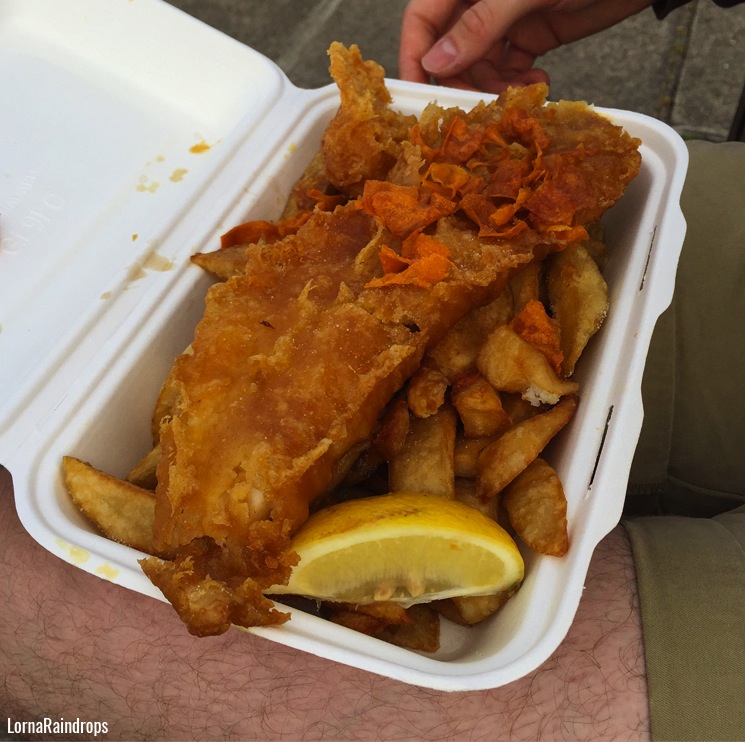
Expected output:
(75, 646)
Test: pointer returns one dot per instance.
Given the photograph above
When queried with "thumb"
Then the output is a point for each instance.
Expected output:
(474, 34)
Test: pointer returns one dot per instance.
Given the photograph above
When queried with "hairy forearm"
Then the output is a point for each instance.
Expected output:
(75, 646)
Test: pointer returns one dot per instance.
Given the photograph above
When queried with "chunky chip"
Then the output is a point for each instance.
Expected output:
(422, 633)
(144, 473)
(120, 510)
(425, 462)
(512, 364)
(500, 462)
(578, 295)
(537, 508)
(426, 391)
(456, 353)
(472, 609)
(479, 407)
(526, 285)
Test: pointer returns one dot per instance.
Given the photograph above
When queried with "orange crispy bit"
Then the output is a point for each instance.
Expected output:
(452, 178)
(424, 272)
(478, 207)
(519, 124)
(403, 209)
(325, 201)
(460, 143)
(420, 245)
(503, 214)
(552, 204)
(492, 220)
(493, 135)
(259, 230)
(568, 234)
(511, 230)
(391, 261)
(507, 178)
(428, 152)
(424, 261)
(249, 233)
(534, 326)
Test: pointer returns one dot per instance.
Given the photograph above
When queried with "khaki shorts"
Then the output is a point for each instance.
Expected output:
(685, 510)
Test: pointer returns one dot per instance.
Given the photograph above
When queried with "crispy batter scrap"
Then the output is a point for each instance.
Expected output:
(424, 261)
(403, 209)
(363, 140)
(263, 231)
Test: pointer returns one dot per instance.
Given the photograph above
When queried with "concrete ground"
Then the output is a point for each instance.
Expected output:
(687, 70)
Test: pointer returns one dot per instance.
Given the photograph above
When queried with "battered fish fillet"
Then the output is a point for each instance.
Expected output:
(303, 345)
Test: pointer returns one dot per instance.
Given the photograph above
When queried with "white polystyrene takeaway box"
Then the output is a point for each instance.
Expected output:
(131, 137)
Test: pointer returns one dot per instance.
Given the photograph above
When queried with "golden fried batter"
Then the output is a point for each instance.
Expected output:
(363, 140)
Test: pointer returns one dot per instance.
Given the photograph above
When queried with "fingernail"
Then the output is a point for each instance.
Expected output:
(440, 56)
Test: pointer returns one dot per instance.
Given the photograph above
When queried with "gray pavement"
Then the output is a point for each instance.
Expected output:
(687, 70)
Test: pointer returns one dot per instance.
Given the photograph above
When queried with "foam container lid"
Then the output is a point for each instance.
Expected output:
(132, 136)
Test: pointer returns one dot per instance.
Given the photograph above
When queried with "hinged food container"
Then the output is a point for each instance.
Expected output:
(131, 137)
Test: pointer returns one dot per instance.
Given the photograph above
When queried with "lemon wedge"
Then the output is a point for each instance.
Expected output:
(404, 547)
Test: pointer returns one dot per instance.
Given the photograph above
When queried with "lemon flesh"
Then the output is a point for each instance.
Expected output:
(404, 547)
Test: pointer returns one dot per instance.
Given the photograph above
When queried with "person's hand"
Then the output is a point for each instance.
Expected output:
(489, 45)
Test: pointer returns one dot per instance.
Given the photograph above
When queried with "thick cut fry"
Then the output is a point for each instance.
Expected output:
(479, 407)
(425, 463)
(421, 635)
(472, 609)
(465, 492)
(167, 401)
(456, 353)
(426, 391)
(394, 427)
(370, 618)
(389, 439)
(513, 365)
(120, 510)
(501, 461)
(517, 408)
(144, 473)
(358, 463)
(537, 508)
(416, 627)
(362, 468)
(526, 285)
(467, 452)
(595, 244)
(578, 295)
(364, 623)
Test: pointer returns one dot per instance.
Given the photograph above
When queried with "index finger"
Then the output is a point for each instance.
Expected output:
(423, 22)
(475, 32)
